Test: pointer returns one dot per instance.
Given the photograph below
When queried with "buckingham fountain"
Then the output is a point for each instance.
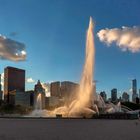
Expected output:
(86, 103)
(82, 102)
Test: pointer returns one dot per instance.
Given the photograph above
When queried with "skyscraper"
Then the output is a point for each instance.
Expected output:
(14, 79)
(55, 89)
(134, 86)
(134, 90)
(114, 95)
(103, 95)
(125, 97)
(68, 88)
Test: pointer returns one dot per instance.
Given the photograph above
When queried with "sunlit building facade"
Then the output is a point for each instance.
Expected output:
(14, 79)
(55, 89)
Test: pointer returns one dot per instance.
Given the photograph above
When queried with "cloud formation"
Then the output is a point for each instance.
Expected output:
(30, 80)
(126, 38)
(11, 49)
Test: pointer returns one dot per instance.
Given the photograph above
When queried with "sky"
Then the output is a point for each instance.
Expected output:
(51, 34)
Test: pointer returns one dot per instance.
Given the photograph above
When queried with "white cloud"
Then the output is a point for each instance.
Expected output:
(127, 38)
(30, 80)
(11, 49)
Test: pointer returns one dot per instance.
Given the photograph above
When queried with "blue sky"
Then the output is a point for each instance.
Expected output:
(54, 34)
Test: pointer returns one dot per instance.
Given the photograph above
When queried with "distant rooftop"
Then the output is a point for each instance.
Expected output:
(9, 67)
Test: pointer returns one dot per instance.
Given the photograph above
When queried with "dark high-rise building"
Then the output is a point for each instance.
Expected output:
(103, 95)
(31, 92)
(114, 95)
(134, 90)
(134, 86)
(125, 97)
(14, 79)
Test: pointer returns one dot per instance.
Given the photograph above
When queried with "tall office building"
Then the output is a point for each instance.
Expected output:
(103, 95)
(134, 86)
(134, 90)
(64, 92)
(114, 95)
(68, 91)
(14, 79)
(68, 88)
(55, 89)
(125, 97)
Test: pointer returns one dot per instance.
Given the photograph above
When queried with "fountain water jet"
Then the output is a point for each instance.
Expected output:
(38, 105)
(81, 105)
(84, 95)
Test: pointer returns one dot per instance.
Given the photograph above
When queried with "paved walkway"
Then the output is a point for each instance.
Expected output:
(63, 129)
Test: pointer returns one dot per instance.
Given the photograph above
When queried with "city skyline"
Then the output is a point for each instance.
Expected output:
(60, 41)
(69, 69)
(13, 75)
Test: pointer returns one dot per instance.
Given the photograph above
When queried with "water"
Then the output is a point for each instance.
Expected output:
(86, 83)
(81, 103)
(85, 95)
(38, 105)
(39, 111)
